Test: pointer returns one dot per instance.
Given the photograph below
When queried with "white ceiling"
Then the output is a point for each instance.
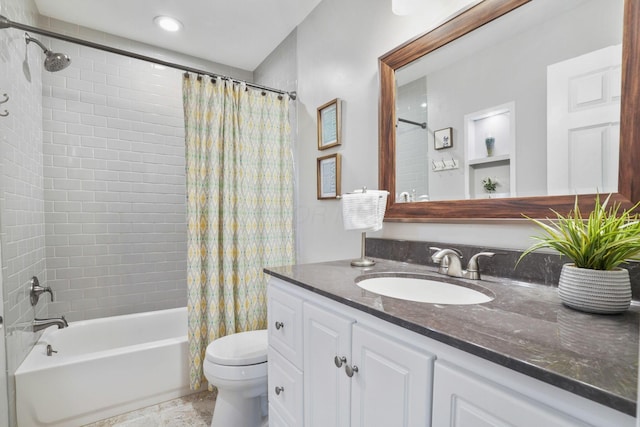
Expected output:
(238, 33)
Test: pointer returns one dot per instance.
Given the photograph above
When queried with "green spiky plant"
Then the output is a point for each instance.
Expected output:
(489, 185)
(606, 239)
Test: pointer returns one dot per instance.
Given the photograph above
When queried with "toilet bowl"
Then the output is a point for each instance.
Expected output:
(237, 366)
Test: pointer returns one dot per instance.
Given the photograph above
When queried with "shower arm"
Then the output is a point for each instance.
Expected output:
(7, 23)
(30, 39)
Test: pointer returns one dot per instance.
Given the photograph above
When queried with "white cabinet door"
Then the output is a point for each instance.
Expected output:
(327, 388)
(393, 382)
(463, 399)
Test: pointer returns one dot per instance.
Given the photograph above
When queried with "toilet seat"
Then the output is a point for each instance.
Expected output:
(214, 372)
(240, 349)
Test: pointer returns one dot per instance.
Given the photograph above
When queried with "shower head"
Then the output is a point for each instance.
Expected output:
(53, 61)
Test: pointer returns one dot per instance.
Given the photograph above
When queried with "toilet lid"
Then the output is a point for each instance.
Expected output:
(243, 348)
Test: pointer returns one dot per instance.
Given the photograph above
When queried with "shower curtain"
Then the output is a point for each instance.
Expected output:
(239, 169)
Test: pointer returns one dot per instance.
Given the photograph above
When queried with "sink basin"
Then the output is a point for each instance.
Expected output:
(424, 289)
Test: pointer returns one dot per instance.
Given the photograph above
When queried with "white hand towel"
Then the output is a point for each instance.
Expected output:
(364, 211)
(382, 207)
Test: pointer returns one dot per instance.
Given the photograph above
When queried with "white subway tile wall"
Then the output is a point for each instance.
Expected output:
(414, 140)
(22, 230)
(114, 185)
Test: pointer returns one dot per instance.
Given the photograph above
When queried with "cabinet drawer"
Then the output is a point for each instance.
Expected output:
(285, 389)
(284, 312)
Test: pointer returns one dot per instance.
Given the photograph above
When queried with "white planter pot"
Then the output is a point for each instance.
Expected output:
(595, 291)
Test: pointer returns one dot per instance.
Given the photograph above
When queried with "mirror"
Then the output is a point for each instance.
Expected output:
(472, 132)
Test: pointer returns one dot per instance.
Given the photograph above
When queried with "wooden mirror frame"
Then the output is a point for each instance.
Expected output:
(537, 207)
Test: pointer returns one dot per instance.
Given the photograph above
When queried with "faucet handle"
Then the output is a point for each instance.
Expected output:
(36, 290)
(473, 270)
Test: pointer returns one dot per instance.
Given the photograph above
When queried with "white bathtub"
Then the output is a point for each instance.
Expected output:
(104, 367)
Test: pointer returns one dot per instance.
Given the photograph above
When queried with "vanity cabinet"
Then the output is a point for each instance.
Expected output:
(356, 376)
(334, 365)
(331, 371)
(464, 399)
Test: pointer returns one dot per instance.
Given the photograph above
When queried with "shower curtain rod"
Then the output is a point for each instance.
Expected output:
(423, 125)
(7, 23)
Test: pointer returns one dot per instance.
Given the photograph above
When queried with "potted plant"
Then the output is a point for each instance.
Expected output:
(489, 185)
(594, 281)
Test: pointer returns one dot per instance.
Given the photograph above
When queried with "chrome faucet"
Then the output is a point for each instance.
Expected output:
(39, 324)
(450, 262)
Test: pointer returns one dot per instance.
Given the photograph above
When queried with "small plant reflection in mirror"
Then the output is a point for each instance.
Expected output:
(489, 184)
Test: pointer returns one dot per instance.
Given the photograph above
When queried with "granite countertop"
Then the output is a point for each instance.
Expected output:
(525, 328)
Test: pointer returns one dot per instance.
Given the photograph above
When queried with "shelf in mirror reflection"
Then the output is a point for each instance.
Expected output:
(492, 159)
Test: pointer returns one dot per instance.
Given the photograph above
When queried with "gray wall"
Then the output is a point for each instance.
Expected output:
(338, 48)
(338, 59)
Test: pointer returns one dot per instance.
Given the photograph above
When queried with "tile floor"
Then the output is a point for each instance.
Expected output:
(194, 410)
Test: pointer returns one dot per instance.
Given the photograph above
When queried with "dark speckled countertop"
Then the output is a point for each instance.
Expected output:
(525, 328)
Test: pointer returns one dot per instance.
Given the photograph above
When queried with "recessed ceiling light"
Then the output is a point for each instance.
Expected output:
(167, 23)
(406, 7)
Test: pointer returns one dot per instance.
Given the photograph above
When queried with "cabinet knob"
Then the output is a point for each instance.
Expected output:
(279, 325)
(350, 370)
(279, 390)
(339, 361)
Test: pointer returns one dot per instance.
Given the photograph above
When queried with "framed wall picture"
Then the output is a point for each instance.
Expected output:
(329, 176)
(443, 138)
(329, 124)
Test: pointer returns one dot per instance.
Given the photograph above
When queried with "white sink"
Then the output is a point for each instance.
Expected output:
(423, 290)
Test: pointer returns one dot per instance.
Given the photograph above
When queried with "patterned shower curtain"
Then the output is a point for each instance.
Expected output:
(239, 169)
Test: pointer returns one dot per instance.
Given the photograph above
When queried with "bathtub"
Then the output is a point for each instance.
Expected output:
(103, 367)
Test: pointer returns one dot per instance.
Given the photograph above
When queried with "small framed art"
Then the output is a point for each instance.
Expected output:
(329, 176)
(329, 124)
(443, 138)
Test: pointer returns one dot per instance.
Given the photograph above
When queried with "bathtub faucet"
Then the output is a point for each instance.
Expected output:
(39, 324)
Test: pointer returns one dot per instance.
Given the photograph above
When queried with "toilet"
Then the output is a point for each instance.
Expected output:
(237, 366)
